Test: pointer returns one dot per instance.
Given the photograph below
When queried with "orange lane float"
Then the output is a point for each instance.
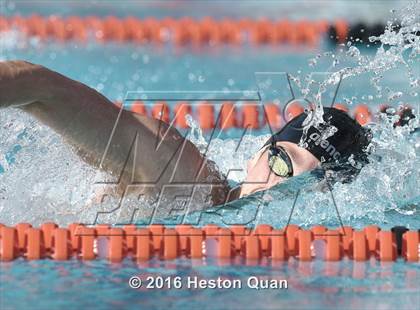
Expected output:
(157, 241)
(362, 114)
(249, 115)
(181, 110)
(292, 110)
(161, 111)
(227, 116)
(206, 119)
(138, 108)
(181, 31)
(341, 28)
(272, 115)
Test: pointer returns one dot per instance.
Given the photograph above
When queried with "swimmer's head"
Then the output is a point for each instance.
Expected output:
(338, 145)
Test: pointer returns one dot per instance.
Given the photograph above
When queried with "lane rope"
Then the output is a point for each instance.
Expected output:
(181, 31)
(49, 241)
(230, 115)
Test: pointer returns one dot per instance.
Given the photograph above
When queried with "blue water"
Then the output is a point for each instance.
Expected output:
(115, 69)
(74, 284)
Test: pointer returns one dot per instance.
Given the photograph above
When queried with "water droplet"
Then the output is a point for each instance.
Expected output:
(135, 56)
(353, 51)
(312, 62)
(191, 77)
(394, 95)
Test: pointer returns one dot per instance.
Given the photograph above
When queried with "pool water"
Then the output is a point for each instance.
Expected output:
(315, 285)
(386, 193)
(115, 70)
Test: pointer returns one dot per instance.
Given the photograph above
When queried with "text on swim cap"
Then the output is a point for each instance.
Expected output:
(324, 144)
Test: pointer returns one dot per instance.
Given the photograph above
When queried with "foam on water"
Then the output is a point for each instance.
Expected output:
(42, 179)
(389, 183)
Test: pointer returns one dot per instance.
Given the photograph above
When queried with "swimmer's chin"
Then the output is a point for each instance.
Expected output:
(308, 180)
(244, 192)
(252, 188)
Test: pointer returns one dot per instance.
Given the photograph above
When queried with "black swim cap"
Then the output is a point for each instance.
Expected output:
(345, 150)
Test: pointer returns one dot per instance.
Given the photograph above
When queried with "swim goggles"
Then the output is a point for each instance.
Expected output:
(279, 161)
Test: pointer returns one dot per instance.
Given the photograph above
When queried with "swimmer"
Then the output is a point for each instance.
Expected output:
(293, 151)
(86, 119)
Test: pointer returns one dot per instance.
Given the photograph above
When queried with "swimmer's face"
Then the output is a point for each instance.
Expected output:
(260, 177)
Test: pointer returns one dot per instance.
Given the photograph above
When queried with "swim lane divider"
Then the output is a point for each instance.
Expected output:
(77, 241)
(231, 115)
(181, 31)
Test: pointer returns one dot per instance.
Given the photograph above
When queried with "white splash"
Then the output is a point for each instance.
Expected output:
(42, 179)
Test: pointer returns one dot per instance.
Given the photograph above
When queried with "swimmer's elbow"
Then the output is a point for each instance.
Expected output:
(14, 68)
(21, 83)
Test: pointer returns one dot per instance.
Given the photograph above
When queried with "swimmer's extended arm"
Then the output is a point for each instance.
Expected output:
(140, 149)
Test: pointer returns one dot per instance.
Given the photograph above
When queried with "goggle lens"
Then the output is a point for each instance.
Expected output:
(278, 166)
(279, 161)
